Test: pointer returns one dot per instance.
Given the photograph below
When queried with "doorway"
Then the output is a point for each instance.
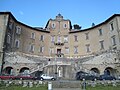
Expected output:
(58, 51)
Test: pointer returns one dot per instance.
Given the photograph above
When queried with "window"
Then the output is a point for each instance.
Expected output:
(5, 20)
(33, 35)
(53, 25)
(87, 37)
(100, 32)
(111, 26)
(17, 43)
(10, 25)
(66, 39)
(64, 25)
(52, 39)
(31, 48)
(42, 38)
(76, 38)
(59, 39)
(87, 47)
(102, 44)
(66, 50)
(75, 49)
(41, 49)
(51, 50)
(8, 39)
(18, 30)
(113, 40)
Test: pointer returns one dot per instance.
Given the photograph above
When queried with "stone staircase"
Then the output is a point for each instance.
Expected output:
(39, 68)
(52, 61)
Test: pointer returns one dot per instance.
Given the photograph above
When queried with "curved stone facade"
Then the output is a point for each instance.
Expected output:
(59, 49)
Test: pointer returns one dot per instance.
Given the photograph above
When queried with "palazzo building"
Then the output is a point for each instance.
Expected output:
(59, 49)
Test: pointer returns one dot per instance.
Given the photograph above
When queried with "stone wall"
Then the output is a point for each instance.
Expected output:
(3, 26)
(64, 68)
(18, 60)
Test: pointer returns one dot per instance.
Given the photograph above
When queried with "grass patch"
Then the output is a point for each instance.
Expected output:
(15, 87)
(101, 87)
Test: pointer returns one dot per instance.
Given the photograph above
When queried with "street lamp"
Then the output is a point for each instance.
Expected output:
(56, 67)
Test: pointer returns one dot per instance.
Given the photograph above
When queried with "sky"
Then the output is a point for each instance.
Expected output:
(36, 13)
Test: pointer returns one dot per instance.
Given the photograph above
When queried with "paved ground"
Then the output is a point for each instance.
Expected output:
(67, 89)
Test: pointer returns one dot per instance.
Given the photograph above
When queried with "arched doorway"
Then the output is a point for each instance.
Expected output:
(24, 70)
(109, 71)
(95, 70)
(8, 70)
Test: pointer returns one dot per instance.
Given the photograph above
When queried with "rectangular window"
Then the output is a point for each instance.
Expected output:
(76, 38)
(87, 37)
(32, 48)
(66, 39)
(75, 49)
(8, 39)
(51, 50)
(100, 32)
(59, 39)
(18, 30)
(87, 47)
(111, 26)
(113, 40)
(10, 25)
(33, 35)
(101, 44)
(66, 50)
(41, 49)
(5, 20)
(52, 39)
(17, 43)
(42, 38)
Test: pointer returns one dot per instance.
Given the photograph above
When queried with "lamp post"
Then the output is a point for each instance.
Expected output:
(56, 67)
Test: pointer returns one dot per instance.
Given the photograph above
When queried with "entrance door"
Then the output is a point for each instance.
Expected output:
(58, 51)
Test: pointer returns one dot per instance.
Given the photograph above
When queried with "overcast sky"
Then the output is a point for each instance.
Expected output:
(36, 13)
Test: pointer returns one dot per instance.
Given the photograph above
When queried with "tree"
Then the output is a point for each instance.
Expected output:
(76, 26)
(93, 24)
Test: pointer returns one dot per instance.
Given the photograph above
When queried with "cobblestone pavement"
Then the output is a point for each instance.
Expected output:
(67, 89)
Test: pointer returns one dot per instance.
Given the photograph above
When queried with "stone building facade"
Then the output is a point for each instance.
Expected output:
(59, 49)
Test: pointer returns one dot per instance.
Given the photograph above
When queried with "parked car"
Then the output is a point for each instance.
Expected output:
(7, 77)
(86, 76)
(118, 77)
(24, 77)
(107, 77)
(46, 77)
(78, 75)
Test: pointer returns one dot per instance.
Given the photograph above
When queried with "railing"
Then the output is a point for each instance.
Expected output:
(53, 61)
(39, 68)
(59, 43)
(60, 55)
(60, 62)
